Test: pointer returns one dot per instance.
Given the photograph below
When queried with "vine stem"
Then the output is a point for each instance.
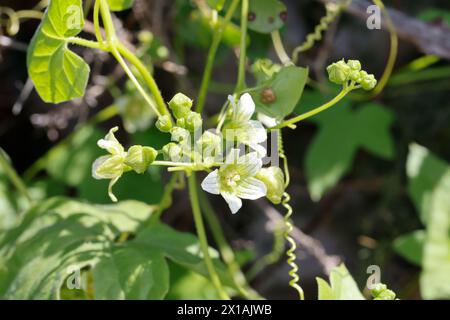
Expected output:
(14, 177)
(118, 49)
(393, 51)
(202, 237)
(217, 38)
(226, 251)
(279, 48)
(243, 47)
(315, 111)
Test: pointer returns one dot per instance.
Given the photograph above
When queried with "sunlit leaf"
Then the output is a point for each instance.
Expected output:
(120, 5)
(410, 246)
(58, 74)
(429, 186)
(278, 96)
(342, 286)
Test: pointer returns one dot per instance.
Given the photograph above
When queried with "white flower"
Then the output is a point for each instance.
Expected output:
(111, 166)
(235, 180)
(241, 128)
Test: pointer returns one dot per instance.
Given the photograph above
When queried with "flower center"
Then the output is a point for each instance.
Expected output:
(230, 179)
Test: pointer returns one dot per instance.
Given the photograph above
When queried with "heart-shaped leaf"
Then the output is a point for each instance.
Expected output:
(278, 96)
(266, 16)
(58, 74)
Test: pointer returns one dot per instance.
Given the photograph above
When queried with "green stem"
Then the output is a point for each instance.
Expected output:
(314, 112)
(393, 51)
(243, 47)
(133, 79)
(148, 78)
(87, 43)
(225, 250)
(279, 48)
(96, 16)
(217, 38)
(14, 177)
(202, 237)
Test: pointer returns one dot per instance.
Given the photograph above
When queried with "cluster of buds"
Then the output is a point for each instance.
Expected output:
(381, 292)
(232, 153)
(350, 73)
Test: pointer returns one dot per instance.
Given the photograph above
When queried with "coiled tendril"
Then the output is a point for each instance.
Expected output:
(290, 253)
(333, 10)
(10, 19)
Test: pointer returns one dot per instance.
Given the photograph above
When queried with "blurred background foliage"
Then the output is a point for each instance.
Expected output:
(370, 177)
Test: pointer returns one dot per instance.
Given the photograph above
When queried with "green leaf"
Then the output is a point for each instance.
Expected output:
(131, 271)
(342, 131)
(266, 16)
(278, 96)
(410, 246)
(120, 5)
(58, 74)
(55, 236)
(216, 4)
(429, 186)
(182, 248)
(342, 286)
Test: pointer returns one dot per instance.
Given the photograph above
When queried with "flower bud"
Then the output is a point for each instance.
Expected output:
(355, 76)
(172, 151)
(273, 178)
(381, 292)
(369, 82)
(194, 121)
(339, 72)
(354, 65)
(139, 158)
(164, 123)
(180, 105)
(180, 135)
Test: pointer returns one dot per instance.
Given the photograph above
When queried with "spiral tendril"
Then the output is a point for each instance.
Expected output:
(290, 253)
(10, 19)
(333, 10)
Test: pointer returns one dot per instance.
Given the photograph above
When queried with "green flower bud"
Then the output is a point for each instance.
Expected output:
(139, 158)
(273, 178)
(354, 65)
(180, 135)
(355, 76)
(381, 292)
(369, 82)
(145, 37)
(194, 121)
(180, 105)
(339, 72)
(172, 151)
(164, 123)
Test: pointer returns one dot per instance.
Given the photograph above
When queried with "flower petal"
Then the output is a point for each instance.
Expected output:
(251, 189)
(245, 108)
(110, 143)
(110, 192)
(211, 183)
(257, 132)
(269, 122)
(108, 167)
(249, 164)
(234, 203)
(232, 156)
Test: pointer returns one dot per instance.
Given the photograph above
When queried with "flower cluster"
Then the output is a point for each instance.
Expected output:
(350, 73)
(232, 153)
(112, 166)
